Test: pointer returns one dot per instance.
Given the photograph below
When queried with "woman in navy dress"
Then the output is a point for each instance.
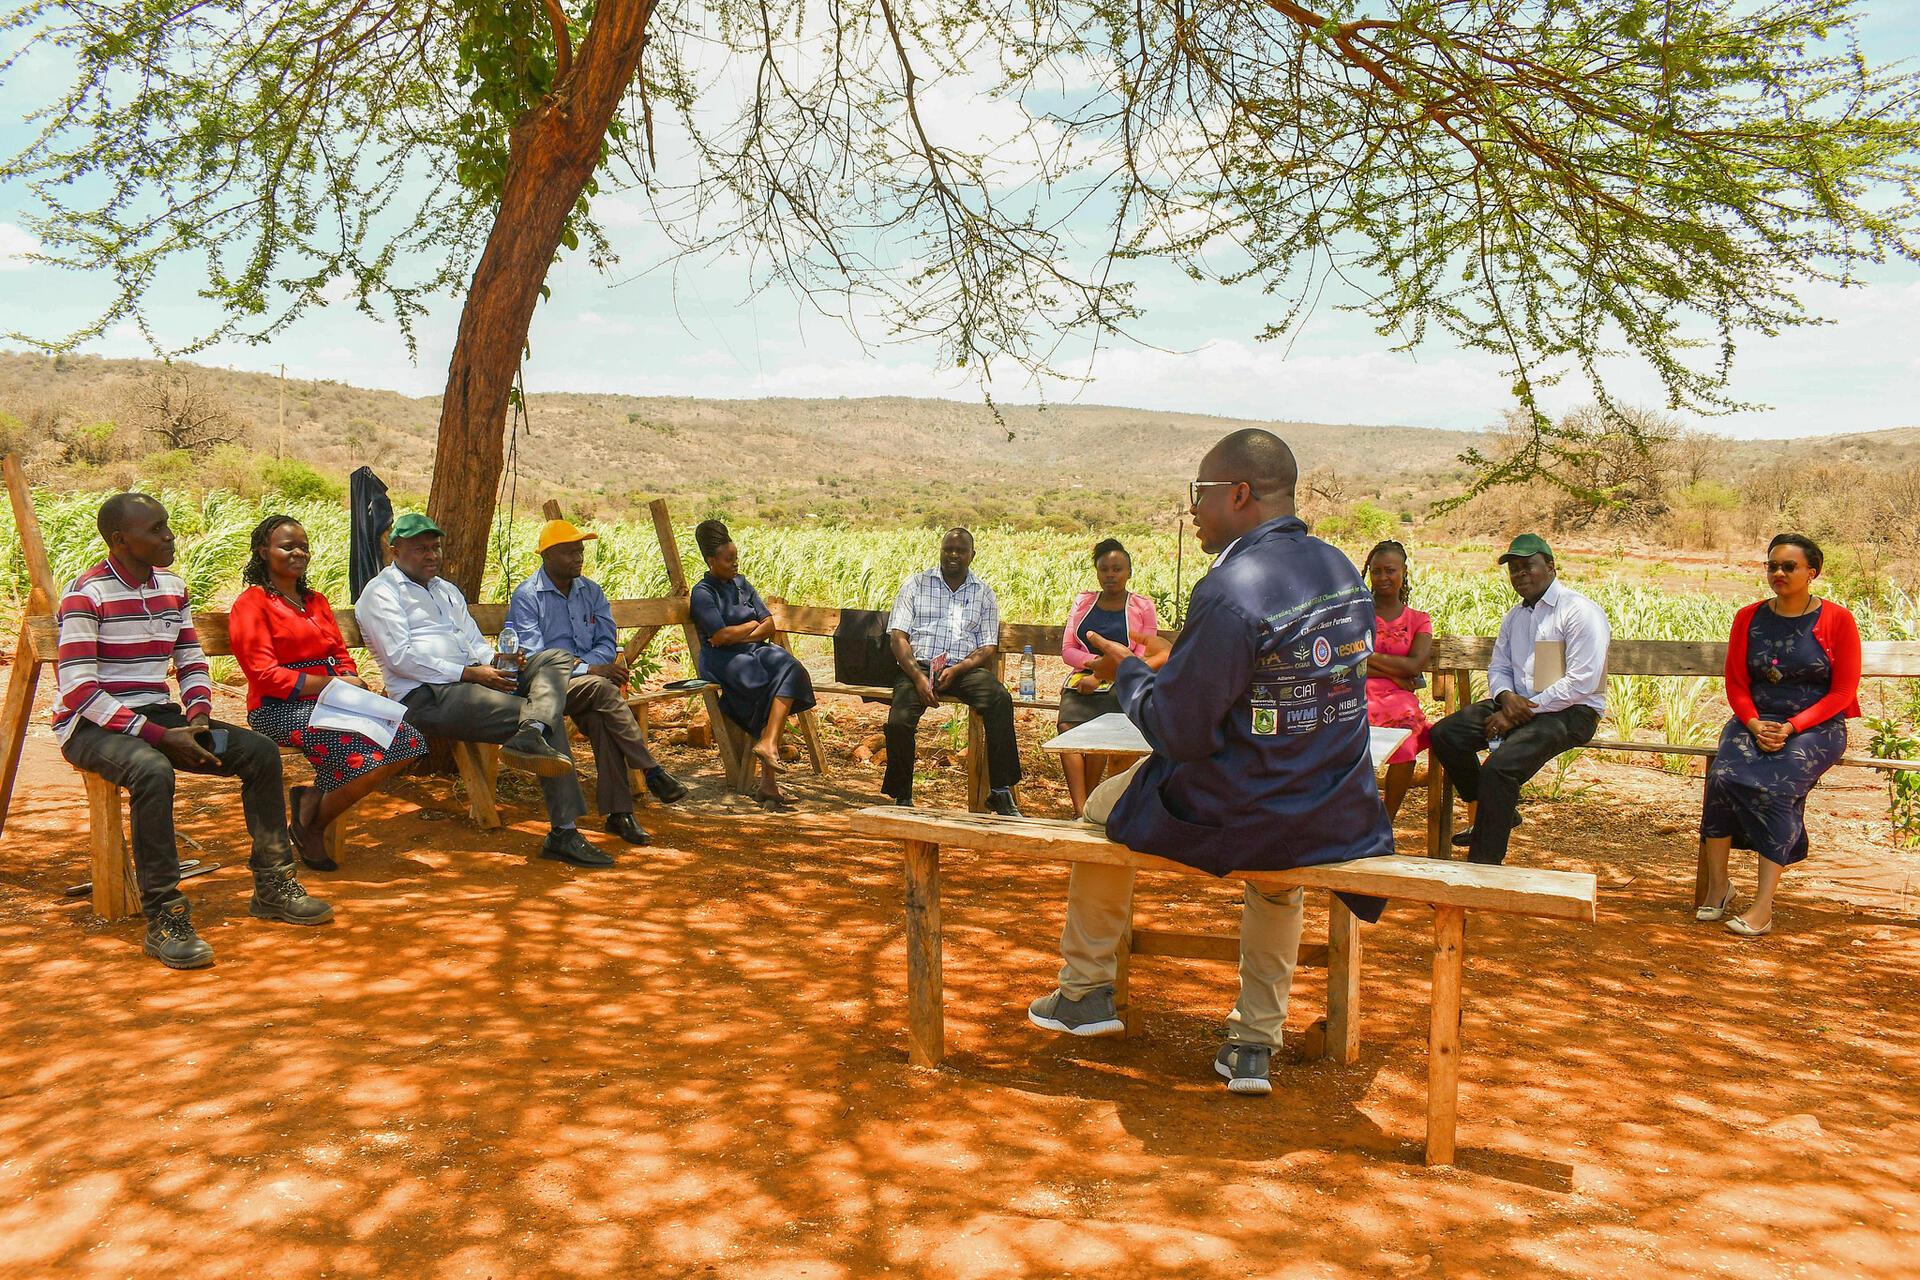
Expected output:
(1793, 678)
(761, 684)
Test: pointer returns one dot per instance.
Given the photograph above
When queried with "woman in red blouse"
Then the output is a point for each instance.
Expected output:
(1793, 679)
(285, 638)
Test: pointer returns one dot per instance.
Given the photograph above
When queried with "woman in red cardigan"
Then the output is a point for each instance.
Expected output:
(285, 638)
(1793, 679)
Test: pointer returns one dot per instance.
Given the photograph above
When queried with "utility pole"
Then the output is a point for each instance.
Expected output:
(280, 444)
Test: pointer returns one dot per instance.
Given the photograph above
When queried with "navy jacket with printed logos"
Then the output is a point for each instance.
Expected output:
(1258, 720)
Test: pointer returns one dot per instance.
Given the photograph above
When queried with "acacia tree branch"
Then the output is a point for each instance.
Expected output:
(562, 39)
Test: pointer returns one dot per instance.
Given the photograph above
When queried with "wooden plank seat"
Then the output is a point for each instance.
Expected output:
(1451, 888)
(1456, 658)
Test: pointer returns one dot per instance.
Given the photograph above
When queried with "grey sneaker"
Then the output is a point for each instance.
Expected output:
(1091, 1015)
(1245, 1067)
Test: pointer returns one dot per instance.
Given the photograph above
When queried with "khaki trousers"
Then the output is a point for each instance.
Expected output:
(599, 707)
(1100, 911)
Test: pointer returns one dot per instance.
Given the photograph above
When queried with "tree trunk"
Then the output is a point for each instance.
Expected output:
(552, 152)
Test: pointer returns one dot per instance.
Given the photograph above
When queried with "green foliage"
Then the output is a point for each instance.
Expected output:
(94, 444)
(301, 482)
(1893, 741)
(1709, 495)
(13, 434)
(167, 469)
(1363, 522)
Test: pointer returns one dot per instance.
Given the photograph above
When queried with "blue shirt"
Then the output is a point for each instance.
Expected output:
(1258, 720)
(581, 623)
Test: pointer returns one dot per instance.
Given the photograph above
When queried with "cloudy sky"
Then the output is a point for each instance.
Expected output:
(691, 329)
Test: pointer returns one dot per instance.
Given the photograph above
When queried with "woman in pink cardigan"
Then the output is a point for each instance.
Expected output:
(1119, 615)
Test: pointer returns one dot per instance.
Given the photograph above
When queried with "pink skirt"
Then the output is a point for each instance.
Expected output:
(1391, 707)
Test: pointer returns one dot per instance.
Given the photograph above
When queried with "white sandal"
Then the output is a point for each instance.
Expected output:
(1741, 929)
(1709, 912)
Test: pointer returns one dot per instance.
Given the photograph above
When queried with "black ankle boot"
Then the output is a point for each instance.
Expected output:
(277, 895)
(172, 941)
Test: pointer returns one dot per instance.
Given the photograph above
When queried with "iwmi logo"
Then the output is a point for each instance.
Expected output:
(1322, 651)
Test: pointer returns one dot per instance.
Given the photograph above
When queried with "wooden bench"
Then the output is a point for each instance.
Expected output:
(1451, 888)
(1456, 658)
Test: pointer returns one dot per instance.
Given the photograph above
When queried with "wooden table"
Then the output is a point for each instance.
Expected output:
(1115, 735)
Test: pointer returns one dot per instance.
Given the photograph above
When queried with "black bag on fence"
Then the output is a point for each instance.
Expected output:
(862, 652)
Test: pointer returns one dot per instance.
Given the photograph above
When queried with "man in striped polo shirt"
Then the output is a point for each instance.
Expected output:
(121, 623)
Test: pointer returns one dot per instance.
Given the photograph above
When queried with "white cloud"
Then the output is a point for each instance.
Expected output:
(15, 244)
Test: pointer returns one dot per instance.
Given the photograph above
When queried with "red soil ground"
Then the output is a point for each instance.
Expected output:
(694, 1064)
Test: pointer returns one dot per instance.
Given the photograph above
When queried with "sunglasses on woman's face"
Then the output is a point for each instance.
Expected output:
(1783, 566)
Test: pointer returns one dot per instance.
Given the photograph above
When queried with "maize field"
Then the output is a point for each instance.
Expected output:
(1034, 574)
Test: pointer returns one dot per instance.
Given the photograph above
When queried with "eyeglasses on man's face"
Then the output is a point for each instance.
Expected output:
(1195, 486)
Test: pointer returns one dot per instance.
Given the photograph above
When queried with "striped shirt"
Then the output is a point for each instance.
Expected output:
(117, 637)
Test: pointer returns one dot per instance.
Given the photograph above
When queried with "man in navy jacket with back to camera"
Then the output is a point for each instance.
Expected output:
(1258, 724)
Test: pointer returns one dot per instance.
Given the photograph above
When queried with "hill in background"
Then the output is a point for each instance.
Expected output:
(877, 458)
(894, 460)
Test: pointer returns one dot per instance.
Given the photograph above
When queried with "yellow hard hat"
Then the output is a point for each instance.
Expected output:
(555, 532)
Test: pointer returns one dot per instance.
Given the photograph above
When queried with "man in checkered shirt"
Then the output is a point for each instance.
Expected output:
(945, 630)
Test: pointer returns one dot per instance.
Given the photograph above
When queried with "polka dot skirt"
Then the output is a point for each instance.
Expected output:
(337, 758)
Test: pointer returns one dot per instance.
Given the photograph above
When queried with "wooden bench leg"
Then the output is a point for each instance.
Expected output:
(810, 730)
(336, 837)
(1439, 809)
(736, 757)
(479, 783)
(926, 1025)
(1123, 971)
(1443, 1035)
(976, 763)
(114, 896)
(1343, 982)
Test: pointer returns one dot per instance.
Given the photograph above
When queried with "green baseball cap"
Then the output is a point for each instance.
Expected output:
(1527, 544)
(412, 525)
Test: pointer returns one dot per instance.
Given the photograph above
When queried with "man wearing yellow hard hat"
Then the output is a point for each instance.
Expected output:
(559, 608)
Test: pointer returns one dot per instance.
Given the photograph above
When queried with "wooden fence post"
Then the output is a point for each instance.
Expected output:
(23, 679)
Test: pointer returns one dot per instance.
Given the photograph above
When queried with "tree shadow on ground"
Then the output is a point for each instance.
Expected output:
(694, 1063)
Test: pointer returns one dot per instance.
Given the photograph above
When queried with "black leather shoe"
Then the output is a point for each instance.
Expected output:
(623, 825)
(172, 941)
(666, 788)
(572, 847)
(1001, 802)
(529, 750)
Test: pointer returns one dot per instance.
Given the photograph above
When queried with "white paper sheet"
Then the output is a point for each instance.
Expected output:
(348, 708)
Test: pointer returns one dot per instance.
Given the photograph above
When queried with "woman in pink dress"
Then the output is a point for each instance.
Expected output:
(1402, 643)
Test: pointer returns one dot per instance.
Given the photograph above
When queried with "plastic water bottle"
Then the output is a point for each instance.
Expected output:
(508, 648)
(1027, 685)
